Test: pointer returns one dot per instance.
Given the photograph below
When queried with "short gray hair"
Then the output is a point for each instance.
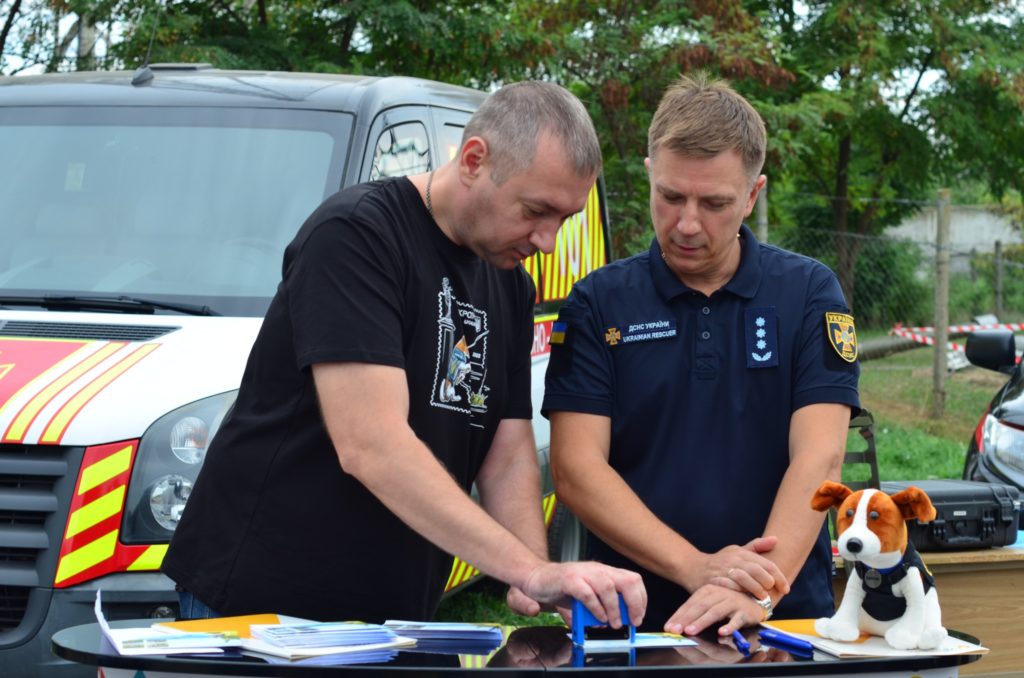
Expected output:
(512, 119)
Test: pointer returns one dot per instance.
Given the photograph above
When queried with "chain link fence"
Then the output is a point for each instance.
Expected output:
(890, 280)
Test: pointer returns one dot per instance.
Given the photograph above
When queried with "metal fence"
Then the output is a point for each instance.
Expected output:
(892, 279)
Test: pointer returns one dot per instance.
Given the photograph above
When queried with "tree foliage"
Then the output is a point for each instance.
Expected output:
(870, 106)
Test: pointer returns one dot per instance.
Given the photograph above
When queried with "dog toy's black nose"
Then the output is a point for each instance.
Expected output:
(854, 546)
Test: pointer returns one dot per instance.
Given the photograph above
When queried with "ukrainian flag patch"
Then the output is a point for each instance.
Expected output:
(558, 332)
(842, 335)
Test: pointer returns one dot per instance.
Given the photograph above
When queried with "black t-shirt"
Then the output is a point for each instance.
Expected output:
(273, 523)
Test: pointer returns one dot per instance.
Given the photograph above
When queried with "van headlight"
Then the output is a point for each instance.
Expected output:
(170, 455)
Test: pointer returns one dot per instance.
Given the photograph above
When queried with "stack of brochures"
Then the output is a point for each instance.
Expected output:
(322, 634)
(146, 641)
(449, 637)
(326, 642)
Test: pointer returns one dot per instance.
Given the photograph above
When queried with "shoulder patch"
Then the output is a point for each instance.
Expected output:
(842, 335)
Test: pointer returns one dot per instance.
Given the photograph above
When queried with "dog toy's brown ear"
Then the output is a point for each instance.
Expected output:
(829, 494)
(914, 503)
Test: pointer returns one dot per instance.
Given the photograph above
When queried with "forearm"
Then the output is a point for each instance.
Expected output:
(600, 498)
(425, 497)
(509, 485)
(817, 443)
(366, 410)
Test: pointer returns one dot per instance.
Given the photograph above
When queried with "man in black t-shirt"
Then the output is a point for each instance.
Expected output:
(398, 344)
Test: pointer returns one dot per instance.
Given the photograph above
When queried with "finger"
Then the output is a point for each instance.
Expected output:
(609, 599)
(762, 544)
(521, 603)
(726, 583)
(705, 620)
(683, 619)
(755, 585)
(735, 623)
(631, 586)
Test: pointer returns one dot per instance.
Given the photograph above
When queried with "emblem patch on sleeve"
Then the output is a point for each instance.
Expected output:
(842, 335)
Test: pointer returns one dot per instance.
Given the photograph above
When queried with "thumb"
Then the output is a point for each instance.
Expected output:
(520, 603)
(762, 544)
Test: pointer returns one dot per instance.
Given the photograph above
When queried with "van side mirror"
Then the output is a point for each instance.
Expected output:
(993, 350)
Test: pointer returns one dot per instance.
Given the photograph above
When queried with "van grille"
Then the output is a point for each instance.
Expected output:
(95, 331)
(36, 483)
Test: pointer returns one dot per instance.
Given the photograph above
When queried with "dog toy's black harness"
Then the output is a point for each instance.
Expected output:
(879, 600)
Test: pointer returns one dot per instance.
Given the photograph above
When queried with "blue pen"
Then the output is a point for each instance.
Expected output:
(786, 642)
(741, 643)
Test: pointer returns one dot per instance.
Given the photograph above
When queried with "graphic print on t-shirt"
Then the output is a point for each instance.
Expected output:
(460, 377)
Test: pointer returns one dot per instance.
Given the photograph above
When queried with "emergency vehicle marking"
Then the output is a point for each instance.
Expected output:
(16, 431)
(104, 470)
(33, 362)
(90, 547)
(76, 561)
(579, 249)
(59, 423)
(150, 559)
(95, 512)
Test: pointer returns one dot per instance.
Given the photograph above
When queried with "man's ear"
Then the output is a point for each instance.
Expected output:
(473, 159)
(758, 186)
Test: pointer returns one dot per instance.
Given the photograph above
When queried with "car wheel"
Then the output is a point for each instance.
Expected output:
(567, 538)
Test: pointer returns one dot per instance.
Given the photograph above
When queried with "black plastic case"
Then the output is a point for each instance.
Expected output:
(971, 515)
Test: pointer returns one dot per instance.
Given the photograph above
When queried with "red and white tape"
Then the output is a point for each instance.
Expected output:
(925, 339)
(1016, 327)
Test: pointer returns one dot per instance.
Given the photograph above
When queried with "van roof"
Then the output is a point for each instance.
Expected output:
(200, 85)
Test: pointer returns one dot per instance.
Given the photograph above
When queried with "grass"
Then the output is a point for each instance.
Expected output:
(910, 445)
(485, 602)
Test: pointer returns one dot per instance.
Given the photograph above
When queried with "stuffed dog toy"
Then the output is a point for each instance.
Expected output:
(890, 592)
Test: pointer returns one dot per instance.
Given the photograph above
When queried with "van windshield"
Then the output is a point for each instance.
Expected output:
(185, 205)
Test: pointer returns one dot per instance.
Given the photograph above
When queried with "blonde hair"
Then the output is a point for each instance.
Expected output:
(702, 118)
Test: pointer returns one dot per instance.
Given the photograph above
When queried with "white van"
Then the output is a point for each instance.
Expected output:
(143, 219)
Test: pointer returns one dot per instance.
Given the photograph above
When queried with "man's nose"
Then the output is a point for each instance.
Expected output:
(688, 220)
(543, 238)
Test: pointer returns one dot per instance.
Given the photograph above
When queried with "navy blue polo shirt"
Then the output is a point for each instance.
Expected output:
(700, 391)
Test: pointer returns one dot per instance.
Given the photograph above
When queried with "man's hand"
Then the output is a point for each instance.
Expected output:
(711, 603)
(520, 603)
(595, 585)
(743, 568)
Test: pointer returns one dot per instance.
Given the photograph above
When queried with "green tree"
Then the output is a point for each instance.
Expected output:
(893, 99)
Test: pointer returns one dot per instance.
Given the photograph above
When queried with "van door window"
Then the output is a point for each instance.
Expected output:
(401, 150)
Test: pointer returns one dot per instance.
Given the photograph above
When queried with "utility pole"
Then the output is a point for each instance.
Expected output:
(762, 214)
(941, 331)
(999, 280)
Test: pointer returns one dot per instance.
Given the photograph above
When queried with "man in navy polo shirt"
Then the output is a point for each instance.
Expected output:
(702, 390)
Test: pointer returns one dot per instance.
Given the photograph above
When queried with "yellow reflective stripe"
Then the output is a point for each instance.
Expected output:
(150, 559)
(105, 469)
(96, 511)
(67, 413)
(548, 505)
(82, 559)
(451, 576)
(28, 413)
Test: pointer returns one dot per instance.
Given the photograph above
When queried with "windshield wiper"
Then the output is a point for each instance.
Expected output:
(119, 303)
